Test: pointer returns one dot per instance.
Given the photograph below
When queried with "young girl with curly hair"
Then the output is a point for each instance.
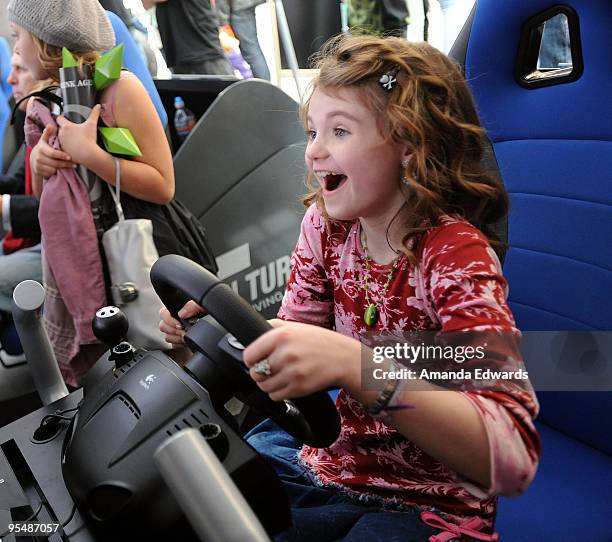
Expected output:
(395, 240)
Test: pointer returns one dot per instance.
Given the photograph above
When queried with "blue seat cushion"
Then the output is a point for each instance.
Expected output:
(568, 499)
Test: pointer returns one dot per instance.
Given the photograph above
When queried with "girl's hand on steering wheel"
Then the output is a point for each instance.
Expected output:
(294, 360)
(173, 329)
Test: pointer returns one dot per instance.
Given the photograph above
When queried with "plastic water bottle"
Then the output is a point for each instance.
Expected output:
(344, 26)
(184, 120)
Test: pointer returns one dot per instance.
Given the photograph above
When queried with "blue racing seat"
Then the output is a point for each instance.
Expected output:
(5, 66)
(550, 127)
(133, 61)
(5, 93)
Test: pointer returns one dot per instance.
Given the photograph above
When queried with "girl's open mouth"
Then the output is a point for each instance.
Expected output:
(333, 181)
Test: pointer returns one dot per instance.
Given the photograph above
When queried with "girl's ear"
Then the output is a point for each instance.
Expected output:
(406, 155)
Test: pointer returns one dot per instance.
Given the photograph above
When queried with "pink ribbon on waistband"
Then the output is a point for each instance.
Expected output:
(470, 527)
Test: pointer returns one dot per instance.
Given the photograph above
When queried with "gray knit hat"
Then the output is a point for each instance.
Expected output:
(78, 25)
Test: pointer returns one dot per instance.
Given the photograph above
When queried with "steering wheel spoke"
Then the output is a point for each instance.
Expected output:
(312, 419)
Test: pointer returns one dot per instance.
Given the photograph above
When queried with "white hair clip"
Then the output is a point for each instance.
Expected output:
(388, 80)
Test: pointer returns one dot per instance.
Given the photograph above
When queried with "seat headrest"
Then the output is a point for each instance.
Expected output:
(510, 111)
(133, 61)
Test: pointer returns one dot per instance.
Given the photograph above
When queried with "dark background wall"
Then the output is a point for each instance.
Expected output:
(311, 23)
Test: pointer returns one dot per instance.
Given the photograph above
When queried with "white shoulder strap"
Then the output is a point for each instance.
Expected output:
(116, 193)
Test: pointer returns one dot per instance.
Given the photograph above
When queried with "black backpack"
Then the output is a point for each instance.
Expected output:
(191, 235)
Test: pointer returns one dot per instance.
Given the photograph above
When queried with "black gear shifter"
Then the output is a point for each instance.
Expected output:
(110, 326)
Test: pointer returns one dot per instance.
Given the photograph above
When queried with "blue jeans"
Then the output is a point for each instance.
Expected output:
(324, 515)
(245, 27)
(15, 267)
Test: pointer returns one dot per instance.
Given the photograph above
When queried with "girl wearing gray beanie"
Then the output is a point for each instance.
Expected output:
(41, 29)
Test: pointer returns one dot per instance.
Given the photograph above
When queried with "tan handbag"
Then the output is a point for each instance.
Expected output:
(130, 253)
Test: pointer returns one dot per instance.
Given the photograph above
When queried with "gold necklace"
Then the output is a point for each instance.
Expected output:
(372, 311)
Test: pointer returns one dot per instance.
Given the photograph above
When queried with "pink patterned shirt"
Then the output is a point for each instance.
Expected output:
(456, 285)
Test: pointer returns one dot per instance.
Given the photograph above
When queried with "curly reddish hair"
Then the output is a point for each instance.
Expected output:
(431, 109)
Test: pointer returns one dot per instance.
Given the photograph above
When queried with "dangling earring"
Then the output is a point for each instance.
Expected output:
(405, 180)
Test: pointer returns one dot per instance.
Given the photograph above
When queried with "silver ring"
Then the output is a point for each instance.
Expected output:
(263, 368)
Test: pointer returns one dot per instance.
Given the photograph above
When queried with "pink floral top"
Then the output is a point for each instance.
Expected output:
(457, 285)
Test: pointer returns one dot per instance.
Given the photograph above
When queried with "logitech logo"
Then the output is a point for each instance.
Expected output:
(146, 383)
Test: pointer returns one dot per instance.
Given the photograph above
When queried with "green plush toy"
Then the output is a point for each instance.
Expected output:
(107, 71)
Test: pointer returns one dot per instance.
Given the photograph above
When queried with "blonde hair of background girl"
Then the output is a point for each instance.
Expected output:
(50, 57)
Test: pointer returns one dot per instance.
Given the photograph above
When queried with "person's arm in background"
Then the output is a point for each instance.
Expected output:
(13, 181)
(19, 214)
(223, 9)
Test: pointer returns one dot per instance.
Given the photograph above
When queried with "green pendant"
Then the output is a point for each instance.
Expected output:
(370, 316)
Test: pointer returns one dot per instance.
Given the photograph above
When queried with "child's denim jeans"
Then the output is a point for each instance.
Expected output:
(324, 515)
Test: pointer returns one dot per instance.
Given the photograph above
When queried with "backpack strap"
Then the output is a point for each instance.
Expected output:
(46, 95)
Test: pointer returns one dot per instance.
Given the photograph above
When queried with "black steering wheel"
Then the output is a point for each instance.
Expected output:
(312, 419)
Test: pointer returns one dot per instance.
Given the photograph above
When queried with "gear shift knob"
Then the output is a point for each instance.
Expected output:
(110, 326)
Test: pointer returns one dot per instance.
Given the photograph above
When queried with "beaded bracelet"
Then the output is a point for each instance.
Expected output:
(382, 406)
(382, 400)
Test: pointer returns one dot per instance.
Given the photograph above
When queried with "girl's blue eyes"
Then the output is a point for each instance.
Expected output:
(339, 132)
